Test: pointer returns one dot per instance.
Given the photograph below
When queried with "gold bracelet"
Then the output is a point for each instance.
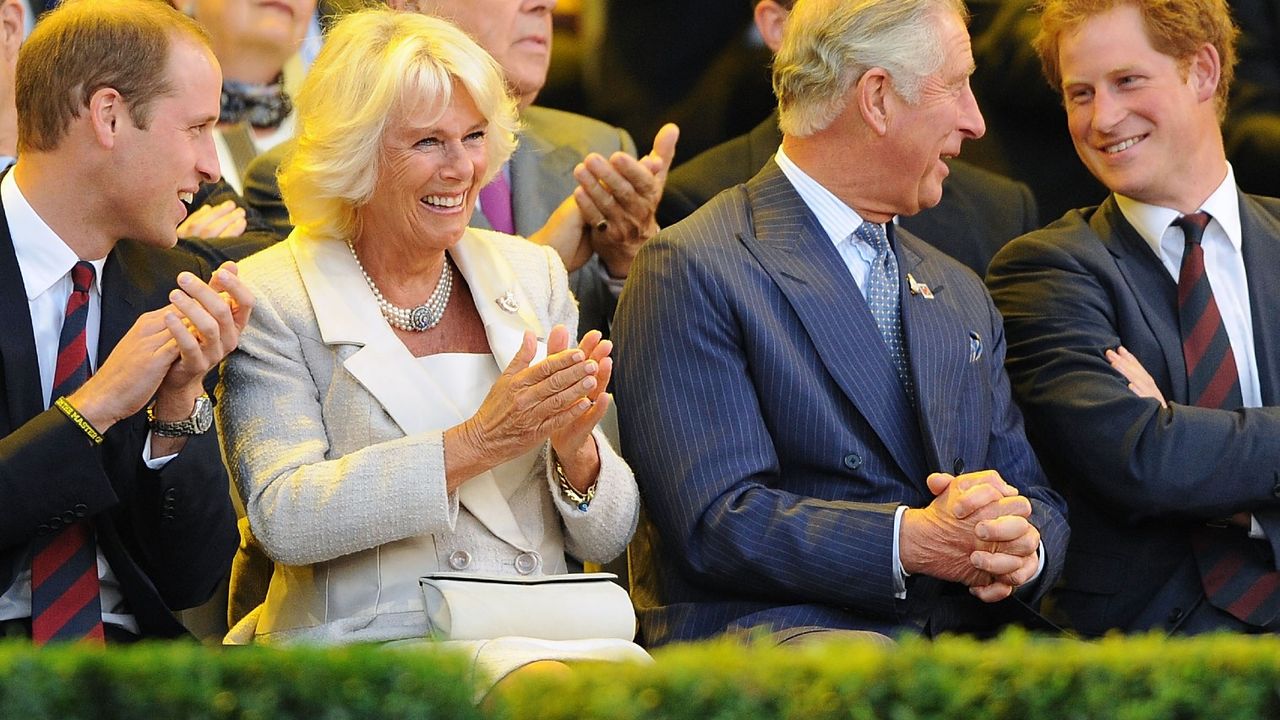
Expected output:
(74, 415)
(582, 500)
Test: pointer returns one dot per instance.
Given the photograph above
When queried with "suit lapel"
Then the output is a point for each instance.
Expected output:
(21, 380)
(1261, 248)
(1154, 291)
(808, 270)
(417, 401)
(935, 349)
(538, 170)
(122, 300)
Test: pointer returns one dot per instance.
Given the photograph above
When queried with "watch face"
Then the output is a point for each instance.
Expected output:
(201, 420)
(202, 416)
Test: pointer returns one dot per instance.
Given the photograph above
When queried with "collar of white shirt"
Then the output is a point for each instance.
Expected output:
(1151, 221)
(43, 257)
(836, 218)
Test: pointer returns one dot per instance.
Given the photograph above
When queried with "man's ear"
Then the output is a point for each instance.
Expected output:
(12, 26)
(871, 93)
(771, 19)
(1205, 72)
(107, 114)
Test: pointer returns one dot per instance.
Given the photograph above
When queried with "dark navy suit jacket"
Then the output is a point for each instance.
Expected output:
(1139, 480)
(168, 534)
(772, 439)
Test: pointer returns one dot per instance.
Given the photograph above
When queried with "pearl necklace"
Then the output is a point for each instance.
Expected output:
(415, 319)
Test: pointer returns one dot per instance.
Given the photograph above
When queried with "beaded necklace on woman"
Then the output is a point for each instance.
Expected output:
(415, 319)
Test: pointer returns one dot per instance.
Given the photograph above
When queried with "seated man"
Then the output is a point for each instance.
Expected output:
(814, 403)
(573, 183)
(114, 503)
(980, 211)
(1143, 340)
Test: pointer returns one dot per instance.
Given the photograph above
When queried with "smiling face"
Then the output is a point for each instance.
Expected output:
(922, 135)
(517, 33)
(156, 168)
(1145, 127)
(428, 176)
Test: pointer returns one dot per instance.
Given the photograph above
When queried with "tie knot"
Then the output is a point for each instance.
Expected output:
(82, 276)
(1193, 226)
(874, 235)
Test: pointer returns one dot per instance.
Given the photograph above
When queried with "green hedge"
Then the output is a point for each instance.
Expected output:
(1014, 677)
(179, 681)
(1145, 678)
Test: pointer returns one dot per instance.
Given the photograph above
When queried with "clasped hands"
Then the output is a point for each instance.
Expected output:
(613, 211)
(561, 398)
(167, 353)
(976, 531)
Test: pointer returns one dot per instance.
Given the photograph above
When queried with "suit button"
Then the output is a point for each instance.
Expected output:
(853, 461)
(957, 468)
(1175, 615)
(55, 522)
(460, 560)
(43, 529)
(69, 517)
(528, 563)
(81, 509)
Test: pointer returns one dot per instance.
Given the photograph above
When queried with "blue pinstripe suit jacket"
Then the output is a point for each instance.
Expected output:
(771, 437)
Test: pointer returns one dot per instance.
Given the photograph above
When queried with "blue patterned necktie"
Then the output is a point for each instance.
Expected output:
(882, 293)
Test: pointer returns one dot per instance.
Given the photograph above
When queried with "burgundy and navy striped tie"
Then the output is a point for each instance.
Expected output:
(1237, 577)
(64, 565)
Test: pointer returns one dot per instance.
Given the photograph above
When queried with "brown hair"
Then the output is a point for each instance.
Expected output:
(1177, 28)
(86, 45)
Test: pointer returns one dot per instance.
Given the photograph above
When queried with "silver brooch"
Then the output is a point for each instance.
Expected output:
(508, 302)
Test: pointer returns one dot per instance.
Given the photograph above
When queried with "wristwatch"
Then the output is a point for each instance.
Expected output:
(201, 420)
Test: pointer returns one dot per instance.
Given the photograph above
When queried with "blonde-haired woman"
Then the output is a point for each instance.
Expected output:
(393, 409)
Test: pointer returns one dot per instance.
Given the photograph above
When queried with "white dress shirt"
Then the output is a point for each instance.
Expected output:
(1223, 264)
(839, 222)
(45, 262)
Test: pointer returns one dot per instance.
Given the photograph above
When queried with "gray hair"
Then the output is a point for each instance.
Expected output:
(829, 44)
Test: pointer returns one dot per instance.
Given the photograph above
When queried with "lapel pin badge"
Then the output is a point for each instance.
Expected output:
(919, 288)
(508, 302)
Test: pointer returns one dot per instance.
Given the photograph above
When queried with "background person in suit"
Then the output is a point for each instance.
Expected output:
(1145, 85)
(979, 212)
(409, 447)
(573, 183)
(821, 430)
(119, 469)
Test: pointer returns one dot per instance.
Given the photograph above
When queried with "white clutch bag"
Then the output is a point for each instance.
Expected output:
(575, 606)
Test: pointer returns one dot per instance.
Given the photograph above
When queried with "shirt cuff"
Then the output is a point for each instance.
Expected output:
(1255, 528)
(614, 284)
(1039, 563)
(899, 575)
(154, 463)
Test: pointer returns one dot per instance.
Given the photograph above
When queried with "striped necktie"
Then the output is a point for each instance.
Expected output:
(64, 564)
(1237, 577)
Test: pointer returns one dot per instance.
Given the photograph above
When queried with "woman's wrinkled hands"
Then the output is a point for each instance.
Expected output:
(561, 398)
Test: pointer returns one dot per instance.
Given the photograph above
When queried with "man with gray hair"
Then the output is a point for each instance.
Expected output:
(814, 401)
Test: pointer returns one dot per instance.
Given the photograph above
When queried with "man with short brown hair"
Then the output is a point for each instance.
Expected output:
(1143, 345)
(114, 509)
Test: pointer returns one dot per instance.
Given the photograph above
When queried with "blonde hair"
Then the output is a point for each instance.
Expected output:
(376, 63)
(829, 44)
